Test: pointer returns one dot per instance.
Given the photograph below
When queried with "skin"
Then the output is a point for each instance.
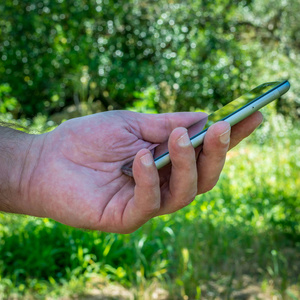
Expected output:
(73, 174)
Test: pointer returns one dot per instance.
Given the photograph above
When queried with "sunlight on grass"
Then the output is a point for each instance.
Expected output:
(242, 237)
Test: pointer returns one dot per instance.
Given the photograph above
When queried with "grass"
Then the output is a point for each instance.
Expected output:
(240, 239)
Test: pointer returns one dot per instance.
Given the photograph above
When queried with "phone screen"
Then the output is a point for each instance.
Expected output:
(239, 103)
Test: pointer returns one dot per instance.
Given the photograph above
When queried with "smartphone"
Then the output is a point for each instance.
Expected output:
(233, 112)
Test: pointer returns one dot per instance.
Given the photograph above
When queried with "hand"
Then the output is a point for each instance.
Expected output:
(73, 174)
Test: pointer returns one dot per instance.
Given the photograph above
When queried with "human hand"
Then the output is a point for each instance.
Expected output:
(73, 174)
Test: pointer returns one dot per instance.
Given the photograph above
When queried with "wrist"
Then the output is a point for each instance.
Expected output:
(19, 152)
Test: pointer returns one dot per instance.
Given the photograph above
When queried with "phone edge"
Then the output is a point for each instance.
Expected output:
(236, 117)
(232, 119)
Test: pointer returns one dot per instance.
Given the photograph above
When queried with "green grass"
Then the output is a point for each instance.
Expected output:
(243, 234)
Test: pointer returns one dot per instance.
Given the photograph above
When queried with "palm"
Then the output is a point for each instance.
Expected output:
(81, 163)
(78, 179)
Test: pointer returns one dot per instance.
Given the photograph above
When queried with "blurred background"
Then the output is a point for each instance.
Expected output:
(62, 59)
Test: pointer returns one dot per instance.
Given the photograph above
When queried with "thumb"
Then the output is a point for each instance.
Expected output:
(156, 128)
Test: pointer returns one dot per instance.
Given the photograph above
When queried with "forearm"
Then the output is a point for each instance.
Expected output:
(15, 168)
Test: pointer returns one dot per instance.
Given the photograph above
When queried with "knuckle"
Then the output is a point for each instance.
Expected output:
(184, 201)
(128, 230)
(150, 183)
(185, 161)
(154, 182)
(217, 156)
(207, 187)
(151, 211)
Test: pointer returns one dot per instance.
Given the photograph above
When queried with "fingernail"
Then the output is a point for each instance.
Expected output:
(225, 137)
(184, 140)
(147, 160)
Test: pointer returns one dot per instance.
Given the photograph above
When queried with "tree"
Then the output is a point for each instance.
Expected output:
(190, 54)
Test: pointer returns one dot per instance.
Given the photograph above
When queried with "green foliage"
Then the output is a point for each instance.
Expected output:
(7, 102)
(272, 29)
(247, 226)
(159, 56)
(203, 53)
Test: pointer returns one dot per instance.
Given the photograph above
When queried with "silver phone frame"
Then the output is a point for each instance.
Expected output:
(234, 118)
